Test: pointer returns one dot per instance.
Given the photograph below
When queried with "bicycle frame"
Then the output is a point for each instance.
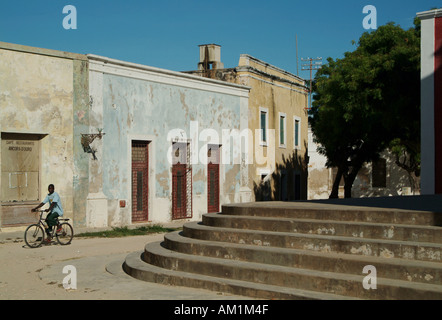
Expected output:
(66, 228)
(43, 223)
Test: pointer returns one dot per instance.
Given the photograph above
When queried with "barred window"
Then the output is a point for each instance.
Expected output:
(379, 174)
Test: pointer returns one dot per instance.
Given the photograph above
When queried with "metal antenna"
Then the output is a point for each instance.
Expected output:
(297, 60)
(311, 66)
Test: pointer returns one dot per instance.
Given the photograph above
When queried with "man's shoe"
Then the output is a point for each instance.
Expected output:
(59, 229)
(48, 240)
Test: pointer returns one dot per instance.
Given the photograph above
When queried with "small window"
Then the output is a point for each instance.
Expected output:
(297, 133)
(282, 130)
(379, 174)
(263, 124)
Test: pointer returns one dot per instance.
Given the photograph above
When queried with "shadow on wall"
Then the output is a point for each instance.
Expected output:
(288, 182)
(383, 178)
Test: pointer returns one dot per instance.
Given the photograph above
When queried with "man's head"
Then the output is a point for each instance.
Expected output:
(51, 189)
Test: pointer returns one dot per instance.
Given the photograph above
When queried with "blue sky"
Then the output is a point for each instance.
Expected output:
(166, 33)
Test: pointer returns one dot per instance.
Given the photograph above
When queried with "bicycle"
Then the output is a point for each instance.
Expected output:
(35, 234)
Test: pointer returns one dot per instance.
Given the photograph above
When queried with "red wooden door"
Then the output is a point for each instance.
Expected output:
(140, 170)
(179, 192)
(213, 188)
(181, 181)
(213, 179)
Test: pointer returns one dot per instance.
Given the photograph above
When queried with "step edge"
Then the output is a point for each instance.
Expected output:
(300, 293)
(341, 222)
(191, 225)
(344, 256)
(299, 271)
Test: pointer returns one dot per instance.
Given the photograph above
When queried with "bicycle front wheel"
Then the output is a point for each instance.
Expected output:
(34, 235)
(65, 236)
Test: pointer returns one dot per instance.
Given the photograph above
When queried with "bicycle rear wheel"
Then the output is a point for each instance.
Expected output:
(65, 236)
(34, 235)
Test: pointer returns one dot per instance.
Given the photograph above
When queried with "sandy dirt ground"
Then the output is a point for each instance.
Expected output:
(37, 274)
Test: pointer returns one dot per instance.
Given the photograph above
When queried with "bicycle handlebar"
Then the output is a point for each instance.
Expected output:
(39, 213)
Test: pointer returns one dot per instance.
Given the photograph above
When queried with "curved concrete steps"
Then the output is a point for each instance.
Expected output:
(399, 269)
(312, 281)
(292, 251)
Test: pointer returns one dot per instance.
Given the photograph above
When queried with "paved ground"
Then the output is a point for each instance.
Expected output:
(37, 274)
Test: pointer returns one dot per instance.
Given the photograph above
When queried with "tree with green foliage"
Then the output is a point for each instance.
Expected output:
(368, 101)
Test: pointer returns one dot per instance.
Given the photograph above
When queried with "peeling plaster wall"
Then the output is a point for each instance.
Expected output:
(133, 102)
(37, 96)
(81, 111)
(320, 179)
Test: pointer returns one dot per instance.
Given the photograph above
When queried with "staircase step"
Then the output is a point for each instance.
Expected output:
(327, 227)
(305, 250)
(310, 280)
(323, 243)
(400, 269)
(322, 211)
(135, 266)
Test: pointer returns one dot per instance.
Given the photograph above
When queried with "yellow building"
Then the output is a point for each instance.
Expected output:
(277, 119)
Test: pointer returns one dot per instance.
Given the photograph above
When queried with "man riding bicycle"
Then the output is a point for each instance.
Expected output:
(55, 209)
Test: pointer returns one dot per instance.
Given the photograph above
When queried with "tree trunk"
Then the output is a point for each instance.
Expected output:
(335, 189)
(415, 182)
(347, 190)
(350, 179)
(412, 168)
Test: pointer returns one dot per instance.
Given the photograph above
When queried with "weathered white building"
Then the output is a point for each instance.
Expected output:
(158, 127)
(122, 143)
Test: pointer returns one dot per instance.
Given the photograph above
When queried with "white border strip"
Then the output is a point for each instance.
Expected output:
(427, 108)
(141, 72)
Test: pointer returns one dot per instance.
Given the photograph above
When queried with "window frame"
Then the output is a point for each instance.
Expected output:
(282, 115)
(297, 132)
(263, 142)
(379, 174)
